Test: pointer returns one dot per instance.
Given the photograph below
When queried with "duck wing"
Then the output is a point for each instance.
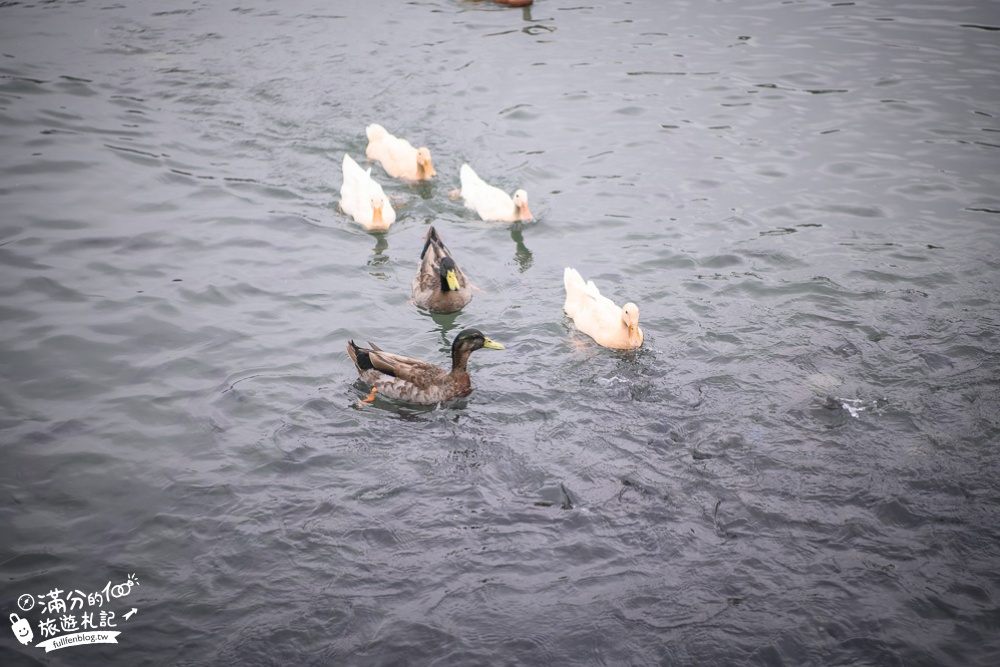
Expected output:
(401, 152)
(580, 294)
(420, 374)
(489, 201)
(397, 155)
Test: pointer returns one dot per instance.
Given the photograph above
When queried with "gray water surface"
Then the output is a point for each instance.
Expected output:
(799, 467)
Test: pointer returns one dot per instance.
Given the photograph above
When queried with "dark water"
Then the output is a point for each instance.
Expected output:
(799, 468)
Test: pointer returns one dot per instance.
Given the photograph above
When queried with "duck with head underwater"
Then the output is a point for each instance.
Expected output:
(439, 285)
(414, 381)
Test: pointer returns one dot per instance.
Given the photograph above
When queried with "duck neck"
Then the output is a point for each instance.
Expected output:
(459, 358)
(423, 173)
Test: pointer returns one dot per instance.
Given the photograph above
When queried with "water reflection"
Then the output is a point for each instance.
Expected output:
(379, 256)
(425, 189)
(534, 29)
(446, 323)
(522, 255)
(676, 150)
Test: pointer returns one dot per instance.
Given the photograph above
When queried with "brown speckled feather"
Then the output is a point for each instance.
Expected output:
(428, 291)
(402, 378)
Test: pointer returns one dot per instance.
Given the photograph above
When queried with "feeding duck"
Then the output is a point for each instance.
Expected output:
(414, 381)
(598, 316)
(398, 157)
(363, 199)
(439, 286)
(492, 203)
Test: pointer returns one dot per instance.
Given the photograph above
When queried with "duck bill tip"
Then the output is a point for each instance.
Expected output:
(634, 339)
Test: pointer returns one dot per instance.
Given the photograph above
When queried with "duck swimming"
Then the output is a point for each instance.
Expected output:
(598, 316)
(414, 381)
(363, 199)
(492, 203)
(398, 157)
(439, 286)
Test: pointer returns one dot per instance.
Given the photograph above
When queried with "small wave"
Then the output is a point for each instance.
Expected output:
(853, 406)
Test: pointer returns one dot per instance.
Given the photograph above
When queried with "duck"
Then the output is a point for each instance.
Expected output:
(439, 285)
(398, 157)
(598, 316)
(413, 381)
(492, 203)
(363, 199)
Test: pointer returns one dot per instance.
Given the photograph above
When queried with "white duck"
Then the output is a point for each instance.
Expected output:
(598, 316)
(492, 203)
(398, 157)
(363, 199)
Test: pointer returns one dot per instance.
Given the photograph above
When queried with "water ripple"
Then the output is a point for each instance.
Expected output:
(795, 468)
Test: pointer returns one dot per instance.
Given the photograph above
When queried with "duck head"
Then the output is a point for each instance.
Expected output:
(449, 275)
(377, 218)
(466, 342)
(425, 167)
(474, 339)
(630, 318)
(521, 204)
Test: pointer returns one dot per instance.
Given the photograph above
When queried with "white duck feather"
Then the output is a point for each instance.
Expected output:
(398, 156)
(492, 203)
(363, 199)
(597, 316)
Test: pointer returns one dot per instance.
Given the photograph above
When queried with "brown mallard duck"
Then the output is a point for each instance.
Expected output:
(439, 286)
(414, 381)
